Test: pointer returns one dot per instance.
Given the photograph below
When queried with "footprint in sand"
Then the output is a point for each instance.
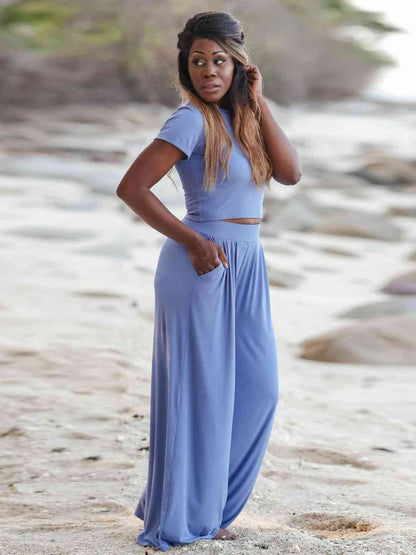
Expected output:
(326, 456)
(333, 525)
(79, 435)
(96, 418)
(320, 456)
(313, 478)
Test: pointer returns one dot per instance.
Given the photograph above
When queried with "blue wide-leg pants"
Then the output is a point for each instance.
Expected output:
(214, 387)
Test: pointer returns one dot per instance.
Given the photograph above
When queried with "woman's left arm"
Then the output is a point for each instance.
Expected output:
(284, 157)
(282, 153)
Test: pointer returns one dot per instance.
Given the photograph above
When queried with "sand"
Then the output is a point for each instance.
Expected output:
(76, 314)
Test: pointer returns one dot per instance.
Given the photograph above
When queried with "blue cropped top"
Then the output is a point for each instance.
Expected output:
(236, 196)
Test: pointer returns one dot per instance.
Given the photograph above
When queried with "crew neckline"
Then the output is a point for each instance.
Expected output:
(226, 112)
(222, 109)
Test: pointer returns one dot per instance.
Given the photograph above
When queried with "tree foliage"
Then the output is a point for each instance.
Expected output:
(298, 45)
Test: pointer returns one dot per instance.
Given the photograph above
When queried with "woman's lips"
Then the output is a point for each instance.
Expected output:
(211, 88)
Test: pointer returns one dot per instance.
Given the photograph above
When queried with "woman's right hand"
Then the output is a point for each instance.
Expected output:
(206, 256)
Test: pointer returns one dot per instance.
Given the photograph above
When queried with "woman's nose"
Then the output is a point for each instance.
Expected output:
(209, 69)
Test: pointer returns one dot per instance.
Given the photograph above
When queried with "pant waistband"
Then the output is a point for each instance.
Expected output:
(226, 230)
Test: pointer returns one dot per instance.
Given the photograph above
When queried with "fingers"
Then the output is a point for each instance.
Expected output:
(223, 256)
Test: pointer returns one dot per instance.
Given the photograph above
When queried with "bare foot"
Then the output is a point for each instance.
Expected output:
(224, 534)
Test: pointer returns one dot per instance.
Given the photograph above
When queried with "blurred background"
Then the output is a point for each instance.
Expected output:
(85, 86)
(57, 52)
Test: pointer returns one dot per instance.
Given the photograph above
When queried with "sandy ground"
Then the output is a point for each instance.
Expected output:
(76, 314)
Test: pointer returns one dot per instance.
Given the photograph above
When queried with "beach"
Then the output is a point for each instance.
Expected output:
(76, 314)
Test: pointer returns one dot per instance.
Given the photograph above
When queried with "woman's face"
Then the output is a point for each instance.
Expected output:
(210, 69)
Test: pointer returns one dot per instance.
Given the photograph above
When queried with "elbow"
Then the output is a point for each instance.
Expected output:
(289, 175)
(129, 192)
(120, 191)
(295, 178)
(288, 179)
(294, 171)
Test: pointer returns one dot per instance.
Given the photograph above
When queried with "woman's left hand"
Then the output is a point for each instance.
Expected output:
(255, 80)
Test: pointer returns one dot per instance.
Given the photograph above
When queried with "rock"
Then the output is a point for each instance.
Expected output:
(101, 178)
(353, 186)
(385, 170)
(52, 233)
(404, 305)
(319, 268)
(277, 248)
(300, 213)
(408, 211)
(283, 278)
(338, 251)
(381, 341)
(359, 224)
(404, 284)
(297, 213)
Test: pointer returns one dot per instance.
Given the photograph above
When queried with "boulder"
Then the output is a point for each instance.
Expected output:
(401, 305)
(283, 278)
(380, 341)
(407, 211)
(357, 223)
(383, 170)
(405, 284)
(297, 213)
(300, 213)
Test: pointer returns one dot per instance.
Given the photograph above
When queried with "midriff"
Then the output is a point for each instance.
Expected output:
(244, 220)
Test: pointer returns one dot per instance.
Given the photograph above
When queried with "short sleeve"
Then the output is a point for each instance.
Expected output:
(184, 129)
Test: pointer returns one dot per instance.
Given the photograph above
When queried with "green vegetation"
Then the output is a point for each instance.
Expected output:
(345, 14)
(52, 27)
(294, 42)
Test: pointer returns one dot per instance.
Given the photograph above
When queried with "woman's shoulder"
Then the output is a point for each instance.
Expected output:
(184, 128)
(189, 111)
(187, 116)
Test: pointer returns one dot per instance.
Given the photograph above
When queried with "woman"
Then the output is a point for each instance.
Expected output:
(214, 386)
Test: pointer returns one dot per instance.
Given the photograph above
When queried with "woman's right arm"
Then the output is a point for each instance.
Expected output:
(134, 189)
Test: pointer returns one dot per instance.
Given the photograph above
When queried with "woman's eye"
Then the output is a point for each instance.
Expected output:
(195, 62)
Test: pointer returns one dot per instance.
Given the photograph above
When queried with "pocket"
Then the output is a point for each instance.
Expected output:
(214, 271)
